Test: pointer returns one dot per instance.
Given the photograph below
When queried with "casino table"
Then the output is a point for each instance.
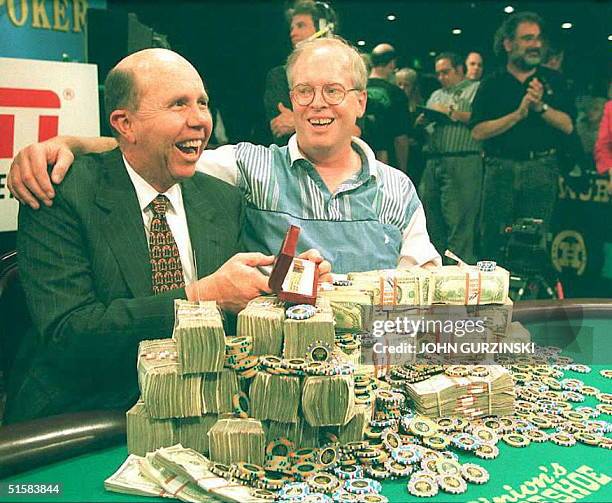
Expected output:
(79, 451)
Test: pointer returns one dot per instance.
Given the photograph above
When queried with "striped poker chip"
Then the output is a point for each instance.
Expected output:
(453, 484)
(445, 466)
(474, 473)
(406, 454)
(607, 373)
(536, 435)
(248, 471)
(486, 451)
(373, 498)
(348, 472)
(264, 494)
(465, 441)
(438, 442)
(319, 351)
(303, 469)
(486, 265)
(391, 440)
(323, 482)
(301, 312)
(294, 490)
(240, 404)
(423, 485)
(516, 439)
(363, 486)
(280, 447)
(562, 438)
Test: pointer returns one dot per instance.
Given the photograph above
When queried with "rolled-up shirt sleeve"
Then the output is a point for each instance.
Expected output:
(417, 248)
(220, 163)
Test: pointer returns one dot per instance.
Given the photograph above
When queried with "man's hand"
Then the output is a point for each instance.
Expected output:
(283, 123)
(440, 108)
(235, 283)
(535, 91)
(324, 266)
(28, 179)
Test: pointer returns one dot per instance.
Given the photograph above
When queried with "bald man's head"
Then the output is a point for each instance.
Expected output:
(122, 85)
(382, 55)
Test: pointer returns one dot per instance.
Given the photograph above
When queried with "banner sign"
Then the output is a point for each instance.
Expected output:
(39, 100)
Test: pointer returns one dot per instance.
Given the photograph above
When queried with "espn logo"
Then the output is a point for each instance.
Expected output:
(26, 98)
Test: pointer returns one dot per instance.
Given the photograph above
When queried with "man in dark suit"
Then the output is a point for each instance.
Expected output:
(130, 228)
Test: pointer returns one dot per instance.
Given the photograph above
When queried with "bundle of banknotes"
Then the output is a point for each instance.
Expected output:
(466, 391)
(235, 439)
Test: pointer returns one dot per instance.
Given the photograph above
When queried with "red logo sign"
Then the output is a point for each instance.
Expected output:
(26, 98)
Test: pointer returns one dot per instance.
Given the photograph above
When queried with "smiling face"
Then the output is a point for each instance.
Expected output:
(302, 27)
(525, 49)
(322, 129)
(171, 124)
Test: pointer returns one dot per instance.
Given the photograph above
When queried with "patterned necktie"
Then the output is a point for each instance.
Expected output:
(166, 267)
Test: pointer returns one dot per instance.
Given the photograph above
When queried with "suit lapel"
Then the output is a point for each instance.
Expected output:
(121, 221)
(200, 220)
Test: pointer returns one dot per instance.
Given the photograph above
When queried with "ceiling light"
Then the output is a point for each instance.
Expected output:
(391, 17)
(360, 43)
(456, 31)
(566, 26)
(508, 9)
(610, 38)
(432, 53)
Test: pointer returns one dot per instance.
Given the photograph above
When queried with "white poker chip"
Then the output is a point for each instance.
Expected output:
(301, 312)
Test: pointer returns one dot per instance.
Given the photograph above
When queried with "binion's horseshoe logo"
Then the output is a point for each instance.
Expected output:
(568, 251)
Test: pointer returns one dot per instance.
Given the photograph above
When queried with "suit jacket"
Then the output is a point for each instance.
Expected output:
(84, 265)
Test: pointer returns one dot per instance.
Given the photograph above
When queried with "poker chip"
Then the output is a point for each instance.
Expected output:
(327, 457)
(479, 371)
(294, 491)
(280, 447)
(604, 397)
(271, 362)
(264, 494)
(486, 451)
(606, 443)
(343, 496)
(422, 426)
(301, 312)
(604, 408)
(391, 440)
(606, 373)
(362, 486)
(447, 467)
(398, 469)
(378, 471)
(562, 438)
(453, 484)
(240, 404)
(465, 441)
(374, 498)
(406, 454)
(348, 472)
(323, 482)
(438, 442)
(303, 469)
(318, 351)
(516, 439)
(457, 371)
(581, 369)
(423, 486)
(445, 424)
(587, 438)
(249, 471)
(220, 469)
(536, 435)
(474, 473)
(485, 435)
(486, 265)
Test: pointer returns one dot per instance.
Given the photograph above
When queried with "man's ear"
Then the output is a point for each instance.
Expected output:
(120, 120)
(507, 44)
(362, 98)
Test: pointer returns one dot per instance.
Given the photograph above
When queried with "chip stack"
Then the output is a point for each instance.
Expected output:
(262, 321)
(388, 408)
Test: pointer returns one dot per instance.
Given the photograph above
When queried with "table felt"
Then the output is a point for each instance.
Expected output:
(579, 473)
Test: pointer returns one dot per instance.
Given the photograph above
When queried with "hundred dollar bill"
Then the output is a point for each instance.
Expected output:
(131, 479)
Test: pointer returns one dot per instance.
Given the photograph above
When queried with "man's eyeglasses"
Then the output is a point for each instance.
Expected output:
(333, 94)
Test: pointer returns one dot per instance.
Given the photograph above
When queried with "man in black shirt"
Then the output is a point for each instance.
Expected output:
(522, 113)
(385, 123)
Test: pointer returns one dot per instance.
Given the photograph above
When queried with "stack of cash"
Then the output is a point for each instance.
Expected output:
(262, 321)
(300, 334)
(218, 388)
(328, 400)
(192, 432)
(352, 308)
(469, 391)
(130, 478)
(165, 391)
(300, 432)
(275, 397)
(199, 336)
(393, 287)
(181, 473)
(466, 285)
(175, 486)
(145, 434)
(354, 430)
(235, 440)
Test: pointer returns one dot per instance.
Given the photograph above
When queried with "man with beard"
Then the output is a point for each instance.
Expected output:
(522, 113)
